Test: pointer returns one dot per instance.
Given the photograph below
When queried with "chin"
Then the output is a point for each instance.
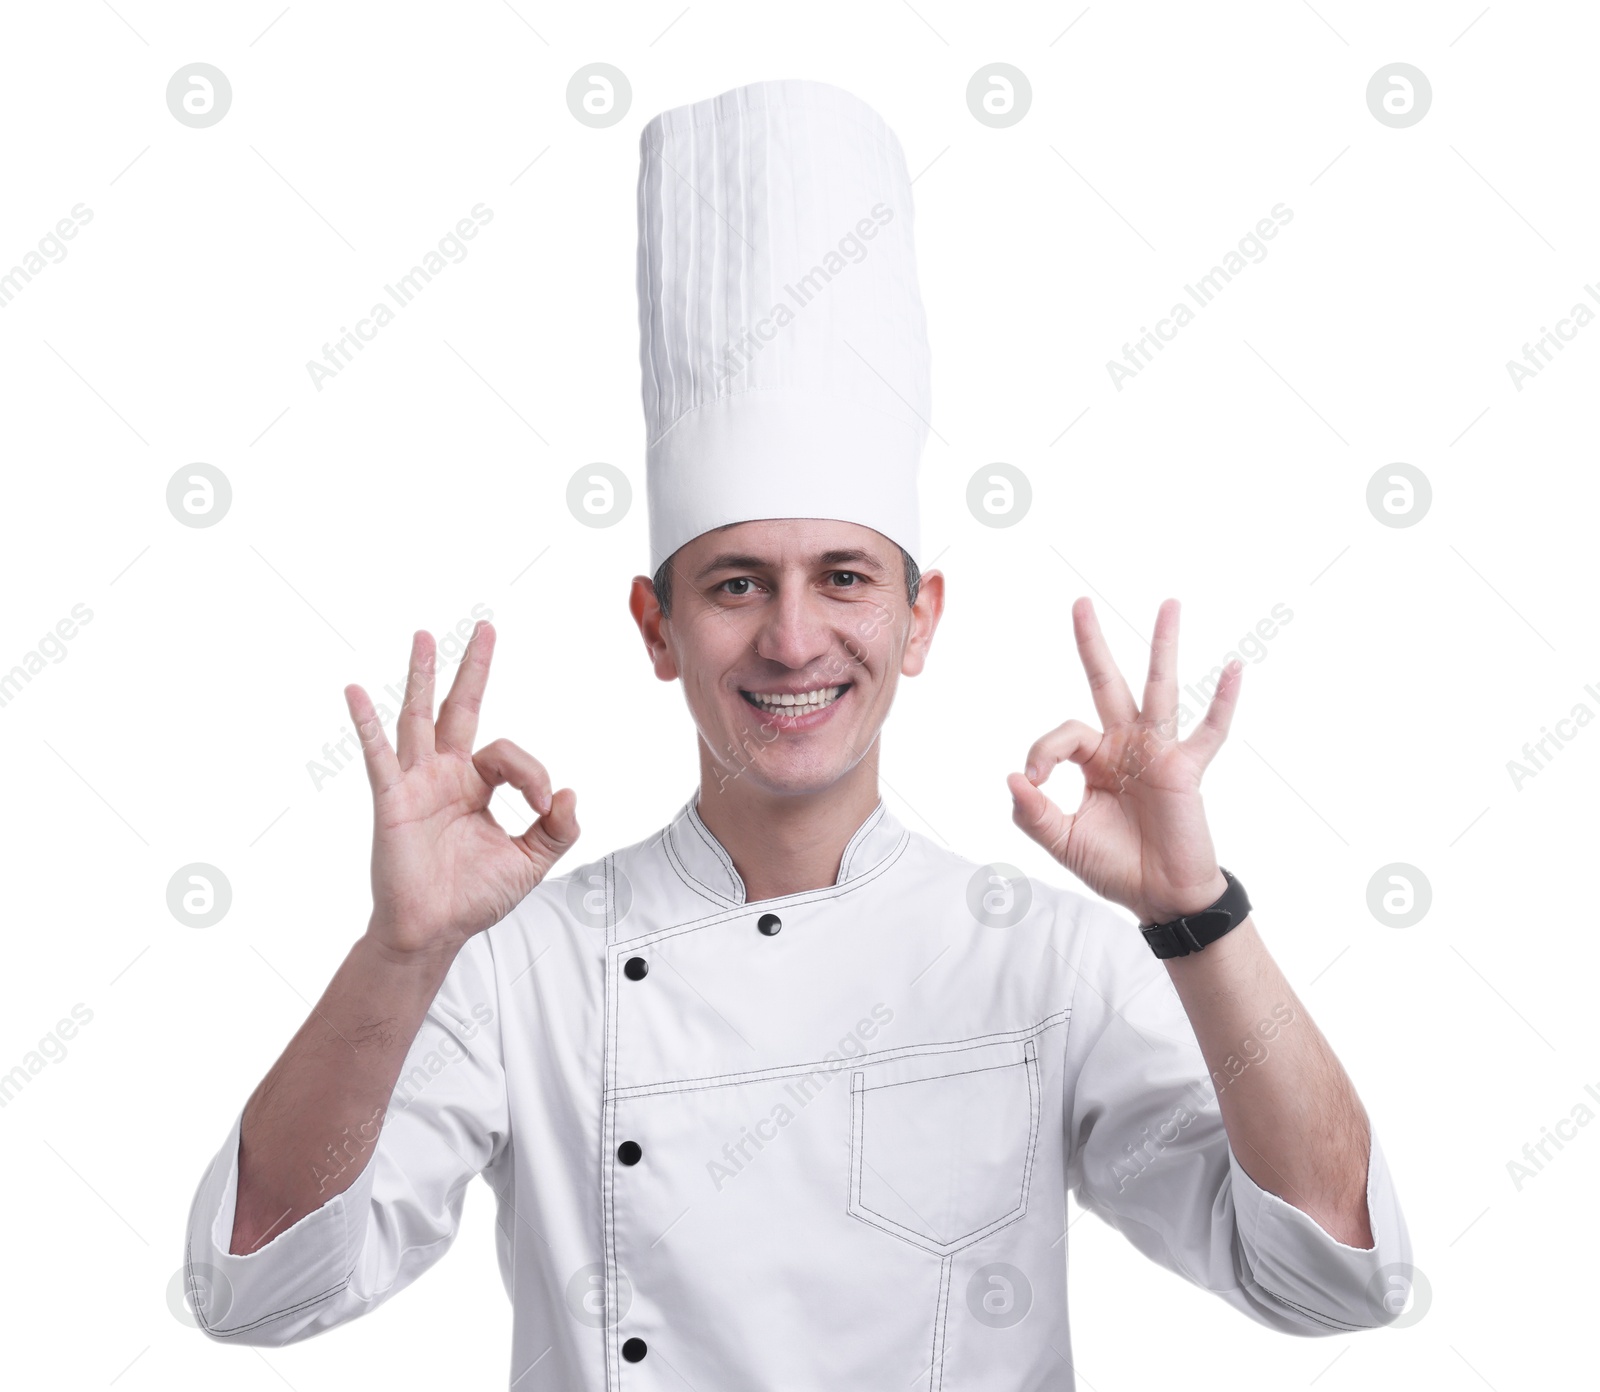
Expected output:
(787, 777)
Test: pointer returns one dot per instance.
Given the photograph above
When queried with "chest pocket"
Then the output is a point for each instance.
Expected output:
(942, 1143)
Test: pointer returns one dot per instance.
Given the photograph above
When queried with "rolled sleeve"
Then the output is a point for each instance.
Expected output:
(1148, 1153)
(447, 1121)
(306, 1265)
(1308, 1270)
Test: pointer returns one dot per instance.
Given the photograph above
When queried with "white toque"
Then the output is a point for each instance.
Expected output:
(781, 334)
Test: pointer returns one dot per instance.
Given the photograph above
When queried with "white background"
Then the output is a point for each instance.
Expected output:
(430, 476)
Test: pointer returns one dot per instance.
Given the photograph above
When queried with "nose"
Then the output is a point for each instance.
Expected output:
(795, 631)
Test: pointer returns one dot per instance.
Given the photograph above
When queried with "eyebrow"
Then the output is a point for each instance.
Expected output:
(740, 560)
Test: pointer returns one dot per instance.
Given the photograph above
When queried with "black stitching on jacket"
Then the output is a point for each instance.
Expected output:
(858, 1145)
(1313, 1315)
(806, 896)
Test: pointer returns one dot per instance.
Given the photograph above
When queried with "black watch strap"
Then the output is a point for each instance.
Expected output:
(1191, 932)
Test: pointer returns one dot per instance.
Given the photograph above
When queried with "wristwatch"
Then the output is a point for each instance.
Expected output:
(1191, 932)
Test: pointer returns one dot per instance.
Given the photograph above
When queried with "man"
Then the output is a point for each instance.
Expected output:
(786, 1095)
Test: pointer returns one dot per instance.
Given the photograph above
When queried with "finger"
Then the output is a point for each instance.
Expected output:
(1161, 685)
(1113, 702)
(505, 762)
(383, 769)
(457, 725)
(415, 726)
(1208, 737)
(552, 836)
(1038, 816)
(1072, 741)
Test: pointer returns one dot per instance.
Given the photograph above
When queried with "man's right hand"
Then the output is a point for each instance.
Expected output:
(442, 867)
(442, 870)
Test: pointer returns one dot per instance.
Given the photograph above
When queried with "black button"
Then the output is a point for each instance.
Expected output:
(769, 924)
(635, 968)
(629, 1152)
(634, 1349)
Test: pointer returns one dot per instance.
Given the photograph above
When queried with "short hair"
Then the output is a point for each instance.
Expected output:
(662, 584)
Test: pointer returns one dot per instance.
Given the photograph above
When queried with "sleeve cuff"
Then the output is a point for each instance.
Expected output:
(1302, 1266)
(298, 1267)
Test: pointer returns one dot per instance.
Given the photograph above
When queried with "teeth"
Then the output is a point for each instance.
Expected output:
(799, 705)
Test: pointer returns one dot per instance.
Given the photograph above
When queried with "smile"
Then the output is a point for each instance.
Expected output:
(795, 703)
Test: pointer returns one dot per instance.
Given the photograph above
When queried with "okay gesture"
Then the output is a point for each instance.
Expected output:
(1139, 837)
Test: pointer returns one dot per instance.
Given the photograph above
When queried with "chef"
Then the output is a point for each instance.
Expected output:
(787, 1095)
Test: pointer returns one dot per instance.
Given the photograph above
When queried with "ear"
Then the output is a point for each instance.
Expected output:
(646, 611)
(924, 620)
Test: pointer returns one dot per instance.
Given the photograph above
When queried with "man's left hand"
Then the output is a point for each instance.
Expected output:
(1139, 837)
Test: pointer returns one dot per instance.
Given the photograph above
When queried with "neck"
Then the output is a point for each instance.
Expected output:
(785, 843)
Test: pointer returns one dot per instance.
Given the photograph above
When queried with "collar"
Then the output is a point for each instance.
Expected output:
(708, 866)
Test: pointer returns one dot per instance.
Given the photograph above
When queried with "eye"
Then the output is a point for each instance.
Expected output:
(852, 574)
(737, 580)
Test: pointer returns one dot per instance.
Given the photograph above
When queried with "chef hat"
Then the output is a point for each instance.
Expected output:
(781, 334)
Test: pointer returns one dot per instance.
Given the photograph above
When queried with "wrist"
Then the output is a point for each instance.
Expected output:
(1188, 901)
(390, 949)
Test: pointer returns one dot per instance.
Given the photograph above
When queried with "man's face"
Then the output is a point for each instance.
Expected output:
(790, 636)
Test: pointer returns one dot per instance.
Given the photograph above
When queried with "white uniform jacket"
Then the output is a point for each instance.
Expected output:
(814, 1143)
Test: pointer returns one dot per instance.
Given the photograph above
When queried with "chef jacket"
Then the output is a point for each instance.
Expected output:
(810, 1143)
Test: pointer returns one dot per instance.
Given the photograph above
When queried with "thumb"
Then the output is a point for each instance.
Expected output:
(1038, 816)
(551, 836)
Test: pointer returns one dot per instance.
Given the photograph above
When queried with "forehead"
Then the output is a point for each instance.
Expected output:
(780, 541)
